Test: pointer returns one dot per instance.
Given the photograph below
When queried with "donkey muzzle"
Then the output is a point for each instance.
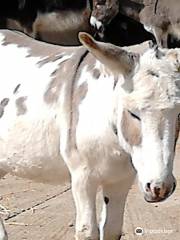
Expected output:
(157, 192)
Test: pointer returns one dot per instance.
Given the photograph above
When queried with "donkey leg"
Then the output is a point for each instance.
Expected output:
(114, 199)
(2, 174)
(84, 189)
(3, 233)
(161, 37)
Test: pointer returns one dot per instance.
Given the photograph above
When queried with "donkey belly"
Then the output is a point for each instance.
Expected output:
(30, 149)
(61, 27)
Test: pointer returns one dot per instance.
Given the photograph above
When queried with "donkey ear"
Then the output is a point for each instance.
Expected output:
(115, 58)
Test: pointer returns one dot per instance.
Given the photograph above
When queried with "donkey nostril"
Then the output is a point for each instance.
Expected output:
(148, 187)
(174, 187)
(157, 191)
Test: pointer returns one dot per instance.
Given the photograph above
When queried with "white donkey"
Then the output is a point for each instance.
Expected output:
(97, 108)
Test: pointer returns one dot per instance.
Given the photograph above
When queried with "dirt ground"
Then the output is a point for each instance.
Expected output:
(43, 212)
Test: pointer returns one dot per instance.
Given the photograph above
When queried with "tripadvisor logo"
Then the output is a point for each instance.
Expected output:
(139, 231)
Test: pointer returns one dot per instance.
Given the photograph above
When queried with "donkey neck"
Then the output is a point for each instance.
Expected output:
(97, 108)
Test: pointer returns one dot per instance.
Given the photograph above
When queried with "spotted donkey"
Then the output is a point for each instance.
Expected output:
(97, 111)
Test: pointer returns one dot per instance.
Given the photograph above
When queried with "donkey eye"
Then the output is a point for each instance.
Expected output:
(134, 56)
(134, 115)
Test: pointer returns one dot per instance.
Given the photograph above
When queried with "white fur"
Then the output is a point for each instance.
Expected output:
(95, 23)
(148, 28)
(34, 81)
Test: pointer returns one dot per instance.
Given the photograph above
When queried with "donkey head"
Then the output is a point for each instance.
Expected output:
(151, 112)
(146, 107)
